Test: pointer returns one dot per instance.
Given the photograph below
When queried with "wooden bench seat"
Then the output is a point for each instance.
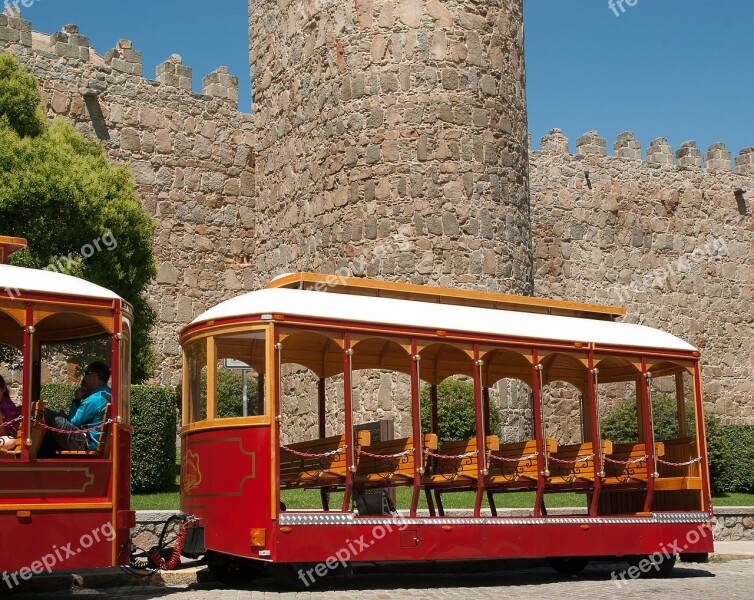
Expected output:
(627, 464)
(679, 477)
(37, 435)
(457, 469)
(14, 452)
(326, 469)
(678, 483)
(393, 462)
(103, 445)
(515, 465)
(459, 464)
(578, 466)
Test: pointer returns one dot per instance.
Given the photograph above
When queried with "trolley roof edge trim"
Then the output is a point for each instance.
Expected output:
(50, 282)
(450, 317)
(426, 293)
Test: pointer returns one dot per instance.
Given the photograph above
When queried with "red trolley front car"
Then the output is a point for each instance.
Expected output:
(71, 510)
(289, 477)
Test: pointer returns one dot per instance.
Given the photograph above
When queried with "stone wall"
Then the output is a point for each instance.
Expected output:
(392, 140)
(191, 155)
(729, 523)
(388, 140)
(672, 242)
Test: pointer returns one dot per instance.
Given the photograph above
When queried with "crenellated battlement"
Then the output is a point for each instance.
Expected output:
(659, 151)
(69, 43)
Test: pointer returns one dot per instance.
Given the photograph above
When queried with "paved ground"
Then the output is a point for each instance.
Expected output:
(730, 579)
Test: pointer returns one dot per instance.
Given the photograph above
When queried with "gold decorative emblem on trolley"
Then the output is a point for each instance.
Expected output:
(191, 473)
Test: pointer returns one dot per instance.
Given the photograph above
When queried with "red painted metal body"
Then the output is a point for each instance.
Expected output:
(231, 469)
(231, 495)
(67, 505)
(225, 482)
(71, 511)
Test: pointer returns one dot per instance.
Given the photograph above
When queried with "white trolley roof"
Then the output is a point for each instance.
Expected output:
(411, 313)
(21, 279)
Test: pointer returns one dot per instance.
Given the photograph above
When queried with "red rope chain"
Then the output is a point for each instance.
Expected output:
(44, 425)
(12, 421)
(575, 460)
(397, 455)
(451, 456)
(681, 464)
(313, 455)
(506, 459)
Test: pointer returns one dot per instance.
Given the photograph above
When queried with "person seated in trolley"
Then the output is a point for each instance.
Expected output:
(9, 413)
(87, 410)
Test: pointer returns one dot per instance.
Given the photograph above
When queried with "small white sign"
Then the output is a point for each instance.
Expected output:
(232, 363)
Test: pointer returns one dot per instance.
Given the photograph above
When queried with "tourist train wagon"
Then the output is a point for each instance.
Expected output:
(70, 510)
(336, 454)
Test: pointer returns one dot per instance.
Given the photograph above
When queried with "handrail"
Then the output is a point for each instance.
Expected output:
(483, 454)
(595, 372)
(352, 468)
(419, 442)
(545, 454)
(648, 377)
(279, 417)
(29, 384)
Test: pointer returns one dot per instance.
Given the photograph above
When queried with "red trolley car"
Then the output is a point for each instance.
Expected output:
(285, 480)
(72, 510)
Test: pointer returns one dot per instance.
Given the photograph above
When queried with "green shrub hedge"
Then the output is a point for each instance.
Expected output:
(229, 394)
(731, 454)
(621, 425)
(730, 448)
(153, 416)
(58, 396)
(456, 415)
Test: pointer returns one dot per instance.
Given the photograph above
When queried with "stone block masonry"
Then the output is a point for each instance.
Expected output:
(674, 243)
(381, 120)
(389, 139)
(191, 155)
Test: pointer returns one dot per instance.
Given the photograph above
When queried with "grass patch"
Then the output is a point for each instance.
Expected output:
(303, 499)
(733, 499)
(167, 499)
(299, 499)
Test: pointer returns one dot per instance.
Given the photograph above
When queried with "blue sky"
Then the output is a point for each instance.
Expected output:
(680, 69)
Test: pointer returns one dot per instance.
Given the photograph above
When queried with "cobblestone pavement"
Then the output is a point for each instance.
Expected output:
(731, 580)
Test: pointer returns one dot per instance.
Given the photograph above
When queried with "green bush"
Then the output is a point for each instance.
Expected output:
(153, 416)
(715, 453)
(58, 396)
(732, 449)
(229, 394)
(621, 425)
(456, 415)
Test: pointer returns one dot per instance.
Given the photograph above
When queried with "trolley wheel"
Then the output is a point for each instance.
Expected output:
(226, 569)
(695, 557)
(292, 576)
(567, 565)
(656, 569)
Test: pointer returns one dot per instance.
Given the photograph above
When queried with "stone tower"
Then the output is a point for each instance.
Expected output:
(392, 140)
